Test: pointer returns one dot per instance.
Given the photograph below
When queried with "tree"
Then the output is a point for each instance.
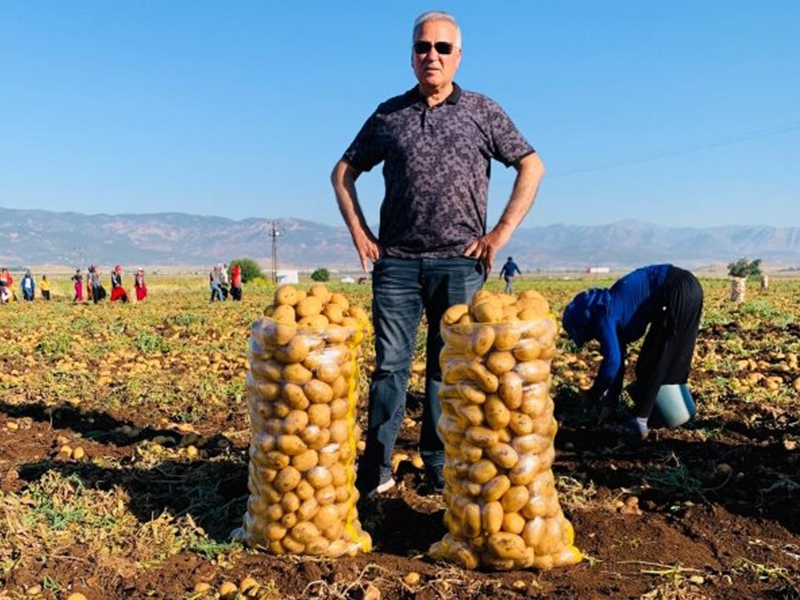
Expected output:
(745, 268)
(321, 274)
(249, 267)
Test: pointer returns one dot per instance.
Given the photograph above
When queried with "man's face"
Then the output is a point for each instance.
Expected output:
(435, 70)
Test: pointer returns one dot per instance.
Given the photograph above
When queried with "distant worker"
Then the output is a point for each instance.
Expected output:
(223, 280)
(670, 301)
(5, 286)
(117, 291)
(236, 282)
(764, 282)
(78, 280)
(44, 286)
(213, 282)
(507, 272)
(28, 286)
(140, 285)
(95, 286)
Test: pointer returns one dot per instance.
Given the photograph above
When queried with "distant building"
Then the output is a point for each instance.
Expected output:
(598, 270)
(288, 276)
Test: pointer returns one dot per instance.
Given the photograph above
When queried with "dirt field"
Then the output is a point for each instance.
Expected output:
(153, 396)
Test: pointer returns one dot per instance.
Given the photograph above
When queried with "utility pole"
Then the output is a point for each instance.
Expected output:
(275, 231)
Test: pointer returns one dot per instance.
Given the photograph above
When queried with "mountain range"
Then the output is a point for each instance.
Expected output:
(35, 237)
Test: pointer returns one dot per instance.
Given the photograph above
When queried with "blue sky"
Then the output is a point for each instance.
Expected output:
(240, 109)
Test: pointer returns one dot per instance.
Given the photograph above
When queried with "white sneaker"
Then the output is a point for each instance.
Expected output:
(382, 487)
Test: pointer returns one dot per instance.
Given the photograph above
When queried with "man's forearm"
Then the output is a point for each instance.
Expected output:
(529, 173)
(344, 186)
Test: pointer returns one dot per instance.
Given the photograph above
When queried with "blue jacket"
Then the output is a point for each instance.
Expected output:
(508, 269)
(615, 317)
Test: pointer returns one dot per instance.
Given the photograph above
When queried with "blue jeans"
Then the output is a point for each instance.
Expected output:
(216, 292)
(401, 289)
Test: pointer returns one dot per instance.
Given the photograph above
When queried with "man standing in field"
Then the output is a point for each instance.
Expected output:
(433, 250)
(507, 272)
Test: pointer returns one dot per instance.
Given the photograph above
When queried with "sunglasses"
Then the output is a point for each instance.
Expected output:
(422, 47)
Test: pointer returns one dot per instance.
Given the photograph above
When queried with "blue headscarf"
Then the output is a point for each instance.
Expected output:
(582, 314)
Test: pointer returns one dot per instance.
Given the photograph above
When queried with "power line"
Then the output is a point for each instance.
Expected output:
(716, 143)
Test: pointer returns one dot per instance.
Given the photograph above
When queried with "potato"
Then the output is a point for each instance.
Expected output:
(287, 479)
(292, 545)
(297, 373)
(305, 460)
(319, 415)
(294, 396)
(471, 412)
(326, 495)
(291, 445)
(319, 477)
(309, 306)
(286, 294)
(454, 313)
(472, 520)
(304, 490)
(482, 339)
(510, 389)
(482, 471)
(487, 312)
(274, 531)
(515, 498)
(481, 436)
(334, 313)
(491, 517)
(485, 379)
(307, 510)
(313, 322)
(534, 371)
(506, 337)
(318, 546)
(326, 517)
(270, 370)
(513, 523)
(533, 531)
(295, 351)
(290, 502)
(280, 331)
(470, 453)
(500, 362)
(496, 488)
(318, 391)
(503, 455)
(506, 545)
(531, 443)
(340, 431)
(295, 422)
(527, 350)
(520, 423)
(339, 299)
(470, 392)
(497, 415)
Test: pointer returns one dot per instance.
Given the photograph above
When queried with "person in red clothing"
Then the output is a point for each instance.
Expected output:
(78, 279)
(140, 285)
(117, 291)
(236, 282)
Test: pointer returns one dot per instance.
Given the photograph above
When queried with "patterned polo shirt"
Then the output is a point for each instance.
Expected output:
(437, 163)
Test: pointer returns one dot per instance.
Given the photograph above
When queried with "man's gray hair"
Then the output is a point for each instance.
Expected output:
(436, 15)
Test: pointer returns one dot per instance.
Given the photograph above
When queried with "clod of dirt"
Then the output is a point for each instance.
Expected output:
(631, 506)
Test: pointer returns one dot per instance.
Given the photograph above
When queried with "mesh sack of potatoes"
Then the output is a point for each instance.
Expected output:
(301, 392)
(498, 429)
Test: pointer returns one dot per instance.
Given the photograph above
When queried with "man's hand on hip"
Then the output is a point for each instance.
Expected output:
(368, 248)
(486, 248)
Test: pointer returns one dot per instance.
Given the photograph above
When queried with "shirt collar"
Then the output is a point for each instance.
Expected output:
(453, 98)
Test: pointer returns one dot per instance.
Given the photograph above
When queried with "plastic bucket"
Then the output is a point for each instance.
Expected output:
(674, 406)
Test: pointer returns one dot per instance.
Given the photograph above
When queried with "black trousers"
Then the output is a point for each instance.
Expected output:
(666, 354)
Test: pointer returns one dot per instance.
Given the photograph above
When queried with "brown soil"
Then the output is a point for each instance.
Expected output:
(717, 515)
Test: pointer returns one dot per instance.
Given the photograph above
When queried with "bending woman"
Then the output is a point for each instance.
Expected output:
(670, 301)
